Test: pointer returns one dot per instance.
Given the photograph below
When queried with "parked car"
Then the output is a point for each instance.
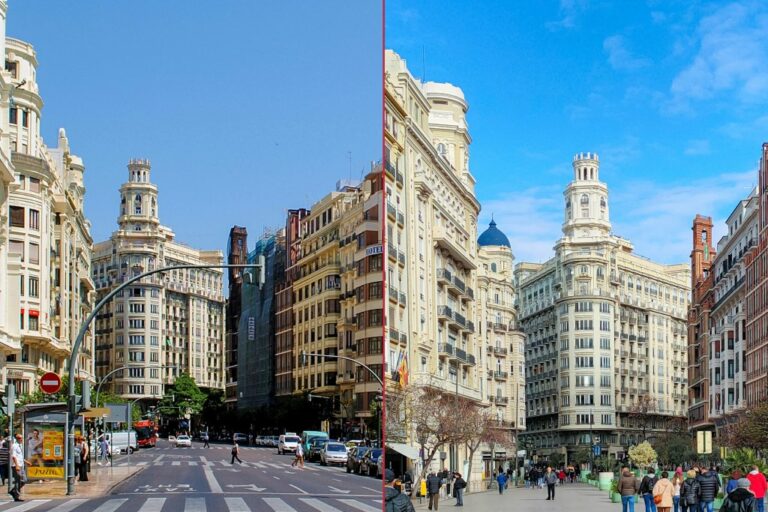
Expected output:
(183, 440)
(354, 442)
(315, 446)
(240, 438)
(354, 458)
(333, 453)
(287, 443)
(273, 440)
(259, 441)
(369, 464)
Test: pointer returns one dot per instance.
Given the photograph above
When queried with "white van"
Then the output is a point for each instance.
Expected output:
(120, 442)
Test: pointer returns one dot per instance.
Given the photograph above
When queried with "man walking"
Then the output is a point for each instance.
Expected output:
(103, 451)
(550, 478)
(433, 490)
(710, 486)
(17, 467)
(395, 501)
(646, 489)
(757, 485)
(236, 453)
(628, 487)
(205, 440)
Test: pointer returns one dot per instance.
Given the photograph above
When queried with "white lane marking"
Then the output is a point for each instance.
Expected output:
(276, 477)
(194, 505)
(176, 463)
(259, 465)
(298, 489)
(372, 490)
(158, 463)
(152, 505)
(193, 463)
(160, 458)
(142, 463)
(212, 483)
(279, 505)
(237, 505)
(28, 505)
(111, 505)
(203, 459)
(68, 505)
(360, 506)
(318, 505)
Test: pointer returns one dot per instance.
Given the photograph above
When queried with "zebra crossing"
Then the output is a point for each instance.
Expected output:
(213, 504)
(226, 463)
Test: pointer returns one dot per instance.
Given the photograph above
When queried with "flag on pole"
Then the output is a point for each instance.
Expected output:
(403, 370)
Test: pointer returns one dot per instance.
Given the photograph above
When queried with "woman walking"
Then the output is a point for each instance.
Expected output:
(663, 492)
(677, 482)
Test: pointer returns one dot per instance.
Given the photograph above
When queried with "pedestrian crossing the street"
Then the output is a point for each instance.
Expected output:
(215, 504)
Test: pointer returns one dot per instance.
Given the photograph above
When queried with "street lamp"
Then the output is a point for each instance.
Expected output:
(73, 362)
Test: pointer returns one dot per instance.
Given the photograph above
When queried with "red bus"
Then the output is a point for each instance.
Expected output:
(145, 433)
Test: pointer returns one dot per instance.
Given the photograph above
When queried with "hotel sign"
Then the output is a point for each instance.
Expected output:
(374, 249)
(251, 328)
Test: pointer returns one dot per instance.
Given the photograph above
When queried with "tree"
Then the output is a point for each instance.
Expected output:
(752, 429)
(479, 426)
(643, 454)
(643, 412)
(183, 398)
(743, 459)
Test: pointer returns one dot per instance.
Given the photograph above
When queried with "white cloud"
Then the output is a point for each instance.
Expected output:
(656, 219)
(732, 57)
(569, 12)
(697, 147)
(620, 57)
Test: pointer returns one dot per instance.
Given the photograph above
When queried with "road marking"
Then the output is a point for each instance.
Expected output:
(194, 505)
(279, 505)
(334, 489)
(153, 505)
(250, 487)
(276, 477)
(372, 490)
(193, 463)
(237, 505)
(203, 459)
(142, 463)
(110, 506)
(298, 489)
(176, 463)
(318, 505)
(212, 483)
(360, 506)
(68, 505)
(29, 505)
(158, 463)
(160, 458)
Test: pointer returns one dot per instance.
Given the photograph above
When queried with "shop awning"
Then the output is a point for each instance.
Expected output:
(404, 449)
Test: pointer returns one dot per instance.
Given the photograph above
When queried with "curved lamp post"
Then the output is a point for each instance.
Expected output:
(72, 403)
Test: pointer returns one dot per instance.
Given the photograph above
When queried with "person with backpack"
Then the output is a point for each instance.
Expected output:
(690, 492)
(236, 453)
(394, 500)
(741, 499)
(459, 484)
(646, 490)
(710, 486)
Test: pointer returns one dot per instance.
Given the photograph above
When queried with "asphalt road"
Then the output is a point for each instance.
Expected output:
(203, 479)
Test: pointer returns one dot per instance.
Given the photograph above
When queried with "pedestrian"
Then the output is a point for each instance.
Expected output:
(733, 483)
(740, 499)
(459, 484)
(501, 479)
(4, 459)
(646, 489)
(205, 440)
(628, 487)
(17, 467)
(663, 492)
(561, 476)
(758, 485)
(433, 490)
(236, 454)
(550, 478)
(298, 460)
(677, 482)
(690, 492)
(103, 451)
(710, 486)
(395, 500)
(83, 458)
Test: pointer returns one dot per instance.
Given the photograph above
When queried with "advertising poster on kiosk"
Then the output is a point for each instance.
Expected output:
(44, 449)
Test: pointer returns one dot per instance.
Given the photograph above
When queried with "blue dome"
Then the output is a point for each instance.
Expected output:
(493, 236)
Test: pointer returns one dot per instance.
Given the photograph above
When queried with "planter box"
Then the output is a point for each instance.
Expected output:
(615, 497)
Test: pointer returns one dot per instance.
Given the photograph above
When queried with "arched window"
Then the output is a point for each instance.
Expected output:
(137, 204)
(493, 267)
(584, 200)
(122, 205)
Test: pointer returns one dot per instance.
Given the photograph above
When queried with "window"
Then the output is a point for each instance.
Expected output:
(34, 184)
(583, 342)
(33, 287)
(605, 381)
(583, 325)
(585, 381)
(14, 115)
(584, 362)
(136, 340)
(34, 219)
(584, 200)
(137, 204)
(34, 253)
(17, 217)
(585, 399)
(136, 356)
(605, 325)
(16, 247)
(605, 343)
(605, 362)
(136, 373)
(136, 308)
(136, 323)
(25, 118)
(12, 68)
(605, 399)
(584, 419)
(33, 324)
(607, 419)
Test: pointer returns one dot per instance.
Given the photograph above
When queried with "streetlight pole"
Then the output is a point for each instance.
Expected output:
(72, 400)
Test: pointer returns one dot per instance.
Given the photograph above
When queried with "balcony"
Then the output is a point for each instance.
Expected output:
(391, 211)
(445, 349)
(400, 218)
(399, 178)
(500, 375)
(500, 351)
(394, 334)
(503, 400)
(402, 300)
(444, 312)
(454, 248)
(444, 276)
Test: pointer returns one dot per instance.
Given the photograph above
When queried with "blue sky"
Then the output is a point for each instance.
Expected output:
(244, 108)
(672, 95)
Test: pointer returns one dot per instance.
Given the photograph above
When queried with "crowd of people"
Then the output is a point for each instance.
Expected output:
(693, 491)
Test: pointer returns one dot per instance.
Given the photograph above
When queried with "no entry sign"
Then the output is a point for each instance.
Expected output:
(50, 383)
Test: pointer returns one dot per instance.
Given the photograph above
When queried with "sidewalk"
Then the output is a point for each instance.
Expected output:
(569, 497)
(101, 480)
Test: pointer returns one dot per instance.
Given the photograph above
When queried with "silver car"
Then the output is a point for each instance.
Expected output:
(333, 453)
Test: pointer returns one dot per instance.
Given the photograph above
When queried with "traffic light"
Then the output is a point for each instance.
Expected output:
(9, 400)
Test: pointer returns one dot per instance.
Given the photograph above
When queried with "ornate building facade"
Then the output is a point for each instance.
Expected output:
(606, 359)
(171, 320)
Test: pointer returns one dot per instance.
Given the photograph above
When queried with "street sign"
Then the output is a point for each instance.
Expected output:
(50, 383)
(96, 412)
(597, 449)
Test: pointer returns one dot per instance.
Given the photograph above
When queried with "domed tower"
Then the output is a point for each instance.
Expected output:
(138, 199)
(586, 200)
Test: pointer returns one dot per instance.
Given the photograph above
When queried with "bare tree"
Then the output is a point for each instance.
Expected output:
(482, 427)
(643, 411)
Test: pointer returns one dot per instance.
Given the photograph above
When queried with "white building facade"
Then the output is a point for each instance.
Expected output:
(171, 319)
(605, 333)
(45, 241)
(727, 340)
